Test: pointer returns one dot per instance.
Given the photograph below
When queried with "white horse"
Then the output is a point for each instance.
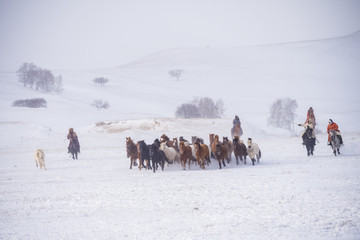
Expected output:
(335, 142)
(253, 151)
(170, 153)
(39, 157)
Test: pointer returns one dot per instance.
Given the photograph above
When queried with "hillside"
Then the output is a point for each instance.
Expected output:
(247, 79)
(288, 195)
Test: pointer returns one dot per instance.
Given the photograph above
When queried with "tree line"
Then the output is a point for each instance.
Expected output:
(39, 79)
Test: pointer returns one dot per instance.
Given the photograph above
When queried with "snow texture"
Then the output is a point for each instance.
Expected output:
(288, 195)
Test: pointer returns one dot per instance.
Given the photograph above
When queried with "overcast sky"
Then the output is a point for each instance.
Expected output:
(82, 34)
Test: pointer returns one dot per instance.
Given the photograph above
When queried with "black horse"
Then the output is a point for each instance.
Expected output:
(157, 157)
(144, 151)
(309, 141)
(74, 148)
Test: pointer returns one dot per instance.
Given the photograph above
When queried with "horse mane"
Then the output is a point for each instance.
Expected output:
(164, 138)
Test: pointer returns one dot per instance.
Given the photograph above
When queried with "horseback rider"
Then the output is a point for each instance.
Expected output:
(72, 136)
(333, 126)
(237, 123)
(310, 115)
(308, 125)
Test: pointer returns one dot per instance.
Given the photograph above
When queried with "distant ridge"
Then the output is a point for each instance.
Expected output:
(355, 34)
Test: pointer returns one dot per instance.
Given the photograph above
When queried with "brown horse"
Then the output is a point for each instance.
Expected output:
(176, 144)
(229, 147)
(221, 154)
(202, 154)
(132, 151)
(212, 148)
(185, 154)
(214, 140)
(164, 138)
(240, 150)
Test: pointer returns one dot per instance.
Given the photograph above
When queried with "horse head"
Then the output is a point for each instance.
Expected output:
(181, 147)
(157, 142)
(249, 142)
(164, 138)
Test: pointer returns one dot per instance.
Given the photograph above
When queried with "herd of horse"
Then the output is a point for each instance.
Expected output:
(180, 151)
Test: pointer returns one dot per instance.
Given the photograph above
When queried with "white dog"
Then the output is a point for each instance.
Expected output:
(39, 157)
(253, 151)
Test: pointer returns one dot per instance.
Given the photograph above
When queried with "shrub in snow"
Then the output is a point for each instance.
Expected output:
(187, 110)
(30, 103)
(100, 104)
(200, 108)
(282, 113)
(100, 81)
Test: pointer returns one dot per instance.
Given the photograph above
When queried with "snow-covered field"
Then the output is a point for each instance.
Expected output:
(287, 196)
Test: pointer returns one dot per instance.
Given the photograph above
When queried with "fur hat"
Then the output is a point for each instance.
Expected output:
(330, 120)
(71, 129)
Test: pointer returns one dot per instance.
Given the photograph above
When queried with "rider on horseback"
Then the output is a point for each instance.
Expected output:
(311, 116)
(73, 140)
(333, 126)
(308, 125)
(237, 123)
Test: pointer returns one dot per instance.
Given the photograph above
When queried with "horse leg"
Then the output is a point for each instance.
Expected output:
(153, 165)
(203, 163)
(224, 162)
(253, 161)
(131, 162)
(237, 159)
(338, 151)
(219, 164)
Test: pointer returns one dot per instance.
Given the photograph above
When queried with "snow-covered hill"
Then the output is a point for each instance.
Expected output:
(287, 196)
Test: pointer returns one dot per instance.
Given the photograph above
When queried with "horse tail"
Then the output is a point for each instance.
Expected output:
(259, 153)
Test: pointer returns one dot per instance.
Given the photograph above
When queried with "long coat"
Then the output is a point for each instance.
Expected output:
(74, 140)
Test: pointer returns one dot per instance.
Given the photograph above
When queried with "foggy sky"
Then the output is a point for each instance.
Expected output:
(84, 34)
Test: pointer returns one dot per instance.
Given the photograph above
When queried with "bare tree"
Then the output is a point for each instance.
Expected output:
(201, 107)
(32, 76)
(187, 110)
(100, 104)
(101, 81)
(176, 73)
(282, 113)
(58, 84)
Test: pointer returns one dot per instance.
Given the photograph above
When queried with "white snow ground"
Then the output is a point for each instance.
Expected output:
(287, 196)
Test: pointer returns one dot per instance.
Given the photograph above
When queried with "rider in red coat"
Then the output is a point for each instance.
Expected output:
(311, 116)
(333, 126)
